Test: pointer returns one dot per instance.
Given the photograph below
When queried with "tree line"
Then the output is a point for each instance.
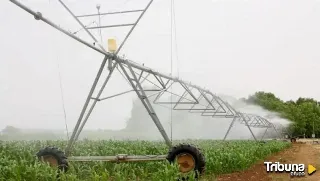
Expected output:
(304, 113)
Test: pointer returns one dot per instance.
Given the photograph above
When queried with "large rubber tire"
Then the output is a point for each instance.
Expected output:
(55, 158)
(293, 140)
(263, 142)
(198, 157)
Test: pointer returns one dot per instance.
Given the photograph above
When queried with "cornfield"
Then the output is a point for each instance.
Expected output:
(18, 161)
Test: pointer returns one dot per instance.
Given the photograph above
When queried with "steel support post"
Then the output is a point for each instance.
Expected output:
(264, 134)
(241, 117)
(279, 134)
(230, 126)
(246, 122)
(95, 100)
(71, 140)
(145, 101)
(111, 67)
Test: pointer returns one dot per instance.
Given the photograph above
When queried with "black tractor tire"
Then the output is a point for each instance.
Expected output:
(197, 156)
(55, 158)
(263, 142)
(293, 140)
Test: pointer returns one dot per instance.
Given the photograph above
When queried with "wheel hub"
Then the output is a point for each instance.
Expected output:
(186, 162)
(53, 162)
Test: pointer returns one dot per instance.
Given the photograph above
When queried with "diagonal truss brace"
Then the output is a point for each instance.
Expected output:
(109, 13)
(117, 12)
(253, 121)
(214, 106)
(111, 66)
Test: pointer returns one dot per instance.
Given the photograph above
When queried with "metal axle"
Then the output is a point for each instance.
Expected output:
(119, 158)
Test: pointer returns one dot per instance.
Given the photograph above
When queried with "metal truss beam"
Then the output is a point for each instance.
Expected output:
(191, 97)
(110, 26)
(281, 130)
(256, 121)
(118, 12)
(112, 56)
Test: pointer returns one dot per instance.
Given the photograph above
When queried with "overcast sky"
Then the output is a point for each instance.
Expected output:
(230, 47)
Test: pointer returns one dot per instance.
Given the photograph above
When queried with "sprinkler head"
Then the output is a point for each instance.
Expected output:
(98, 6)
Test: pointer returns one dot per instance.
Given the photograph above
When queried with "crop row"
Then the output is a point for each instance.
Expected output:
(18, 162)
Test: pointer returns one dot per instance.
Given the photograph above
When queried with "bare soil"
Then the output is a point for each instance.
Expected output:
(301, 152)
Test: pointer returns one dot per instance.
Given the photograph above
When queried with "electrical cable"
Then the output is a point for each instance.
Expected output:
(173, 32)
(63, 105)
(171, 65)
(61, 93)
(175, 36)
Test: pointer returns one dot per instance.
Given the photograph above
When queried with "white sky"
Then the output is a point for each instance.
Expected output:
(230, 47)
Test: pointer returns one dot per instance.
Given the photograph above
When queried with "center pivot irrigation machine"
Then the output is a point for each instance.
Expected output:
(193, 99)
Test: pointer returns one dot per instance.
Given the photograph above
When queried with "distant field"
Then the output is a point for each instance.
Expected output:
(18, 162)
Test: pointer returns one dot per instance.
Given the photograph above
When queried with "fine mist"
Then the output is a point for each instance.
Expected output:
(187, 125)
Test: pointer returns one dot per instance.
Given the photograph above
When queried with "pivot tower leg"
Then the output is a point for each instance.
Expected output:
(77, 129)
(264, 134)
(228, 131)
(246, 122)
(145, 101)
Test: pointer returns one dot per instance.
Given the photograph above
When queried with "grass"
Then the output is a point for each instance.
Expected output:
(18, 162)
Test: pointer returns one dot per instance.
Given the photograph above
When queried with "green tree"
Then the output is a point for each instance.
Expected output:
(10, 130)
(304, 112)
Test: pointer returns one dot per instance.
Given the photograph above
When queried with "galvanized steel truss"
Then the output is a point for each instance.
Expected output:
(191, 98)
